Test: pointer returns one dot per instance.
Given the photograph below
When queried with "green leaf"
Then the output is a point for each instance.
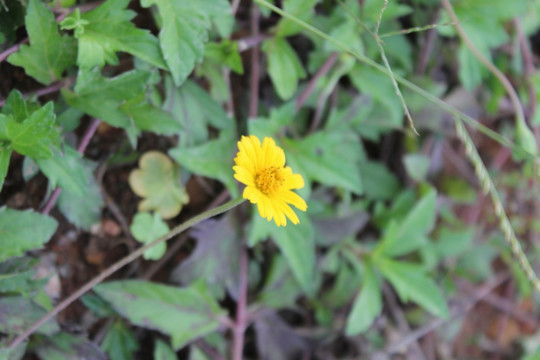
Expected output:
(83, 210)
(49, 53)
(302, 9)
(18, 313)
(5, 156)
(215, 259)
(315, 158)
(185, 30)
(280, 289)
(16, 234)
(102, 97)
(65, 170)
(284, 66)
(64, 346)
(279, 118)
(163, 351)
(411, 283)
(157, 181)
(367, 306)
(194, 109)
(146, 228)
(120, 343)
(213, 159)
(183, 313)
(226, 54)
(15, 106)
(417, 166)
(409, 234)
(106, 30)
(36, 136)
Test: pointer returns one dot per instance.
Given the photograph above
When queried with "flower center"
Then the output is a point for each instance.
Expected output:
(268, 180)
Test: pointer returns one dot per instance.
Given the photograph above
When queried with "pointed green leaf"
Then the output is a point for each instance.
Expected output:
(146, 117)
(16, 234)
(64, 346)
(183, 313)
(5, 155)
(49, 53)
(146, 228)
(15, 106)
(120, 343)
(163, 351)
(65, 170)
(185, 30)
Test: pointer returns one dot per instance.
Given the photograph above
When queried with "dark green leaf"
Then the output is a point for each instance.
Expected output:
(279, 118)
(64, 346)
(280, 289)
(146, 228)
(5, 155)
(146, 117)
(66, 170)
(120, 343)
(215, 258)
(302, 9)
(183, 313)
(49, 53)
(185, 30)
(226, 54)
(16, 236)
(18, 313)
(411, 283)
(163, 351)
(213, 159)
(106, 30)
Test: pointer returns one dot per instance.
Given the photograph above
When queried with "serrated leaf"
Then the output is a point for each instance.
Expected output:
(83, 210)
(101, 97)
(120, 343)
(215, 259)
(49, 53)
(66, 171)
(146, 117)
(194, 109)
(64, 346)
(213, 159)
(36, 136)
(284, 66)
(15, 106)
(18, 313)
(146, 228)
(156, 180)
(367, 306)
(108, 30)
(409, 234)
(21, 231)
(411, 283)
(183, 313)
(315, 158)
(185, 30)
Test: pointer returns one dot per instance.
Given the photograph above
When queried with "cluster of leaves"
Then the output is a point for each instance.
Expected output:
(364, 231)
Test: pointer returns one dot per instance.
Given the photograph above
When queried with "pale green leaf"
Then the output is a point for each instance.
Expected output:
(66, 171)
(302, 9)
(183, 313)
(162, 351)
(147, 228)
(147, 117)
(19, 313)
(16, 236)
(5, 155)
(49, 53)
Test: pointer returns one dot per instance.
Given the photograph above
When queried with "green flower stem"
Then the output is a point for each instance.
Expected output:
(401, 80)
(123, 262)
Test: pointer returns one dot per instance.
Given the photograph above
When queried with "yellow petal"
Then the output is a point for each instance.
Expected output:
(293, 199)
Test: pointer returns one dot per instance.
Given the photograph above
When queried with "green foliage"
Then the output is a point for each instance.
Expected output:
(19, 313)
(49, 53)
(185, 314)
(65, 346)
(146, 228)
(120, 343)
(16, 236)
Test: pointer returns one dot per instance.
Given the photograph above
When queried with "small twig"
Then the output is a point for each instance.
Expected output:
(10, 50)
(255, 64)
(90, 131)
(241, 305)
(41, 92)
(308, 90)
(120, 264)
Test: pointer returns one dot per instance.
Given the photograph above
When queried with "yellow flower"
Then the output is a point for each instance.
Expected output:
(268, 181)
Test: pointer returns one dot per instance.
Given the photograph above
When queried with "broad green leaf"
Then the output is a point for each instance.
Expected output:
(213, 159)
(409, 234)
(453, 242)
(297, 243)
(411, 283)
(279, 118)
(315, 158)
(18, 313)
(8, 353)
(16, 236)
(194, 109)
(302, 9)
(157, 181)
(185, 25)
(120, 343)
(417, 166)
(101, 97)
(36, 136)
(18, 282)
(66, 171)
(147, 228)
(64, 346)
(284, 66)
(183, 313)
(215, 259)
(5, 156)
(49, 53)
(345, 287)
(106, 30)
(367, 306)
(162, 351)
(16, 106)
(226, 54)
(83, 210)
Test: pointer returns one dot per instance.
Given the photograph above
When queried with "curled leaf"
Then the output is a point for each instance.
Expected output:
(156, 180)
